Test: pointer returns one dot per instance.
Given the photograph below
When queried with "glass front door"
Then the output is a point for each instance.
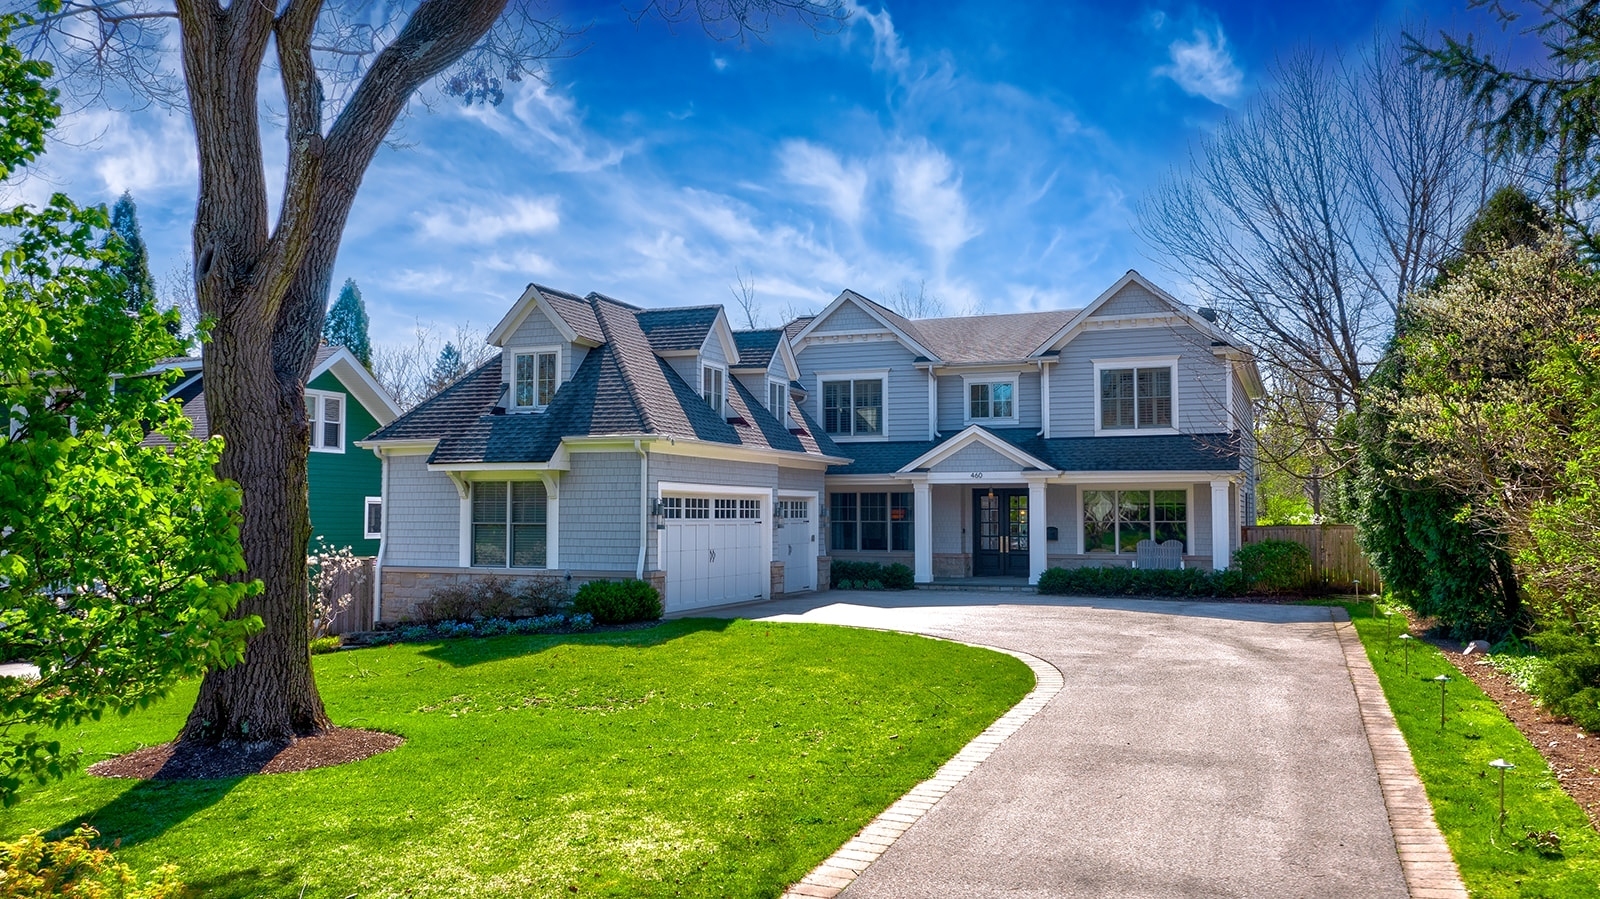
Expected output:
(1000, 533)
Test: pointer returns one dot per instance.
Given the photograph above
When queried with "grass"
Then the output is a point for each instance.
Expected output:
(696, 758)
(1464, 790)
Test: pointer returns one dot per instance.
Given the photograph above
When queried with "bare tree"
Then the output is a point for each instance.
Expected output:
(411, 371)
(745, 296)
(915, 301)
(347, 73)
(1308, 219)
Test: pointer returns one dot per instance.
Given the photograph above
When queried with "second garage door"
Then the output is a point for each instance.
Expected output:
(711, 550)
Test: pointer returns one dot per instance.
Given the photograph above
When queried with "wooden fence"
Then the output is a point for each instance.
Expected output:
(357, 616)
(1336, 558)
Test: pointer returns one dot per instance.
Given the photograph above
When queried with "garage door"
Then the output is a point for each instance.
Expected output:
(797, 546)
(712, 551)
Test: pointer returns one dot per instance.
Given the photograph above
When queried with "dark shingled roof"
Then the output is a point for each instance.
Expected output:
(1164, 452)
(756, 347)
(574, 310)
(683, 328)
(621, 388)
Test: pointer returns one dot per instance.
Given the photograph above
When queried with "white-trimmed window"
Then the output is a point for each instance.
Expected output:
(508, 524)
(1114, 521)
(325, 414)
(778, 399)
(714, 386)
(372, 515)
(1136, 395)
(991, 399)
(854, 407)
(535, 377)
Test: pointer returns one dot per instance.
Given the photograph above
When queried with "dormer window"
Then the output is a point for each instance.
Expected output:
(714, 386)
(778, 398)
(536, 376)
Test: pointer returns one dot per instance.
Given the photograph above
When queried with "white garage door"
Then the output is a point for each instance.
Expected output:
(712, 551)
(797, 546)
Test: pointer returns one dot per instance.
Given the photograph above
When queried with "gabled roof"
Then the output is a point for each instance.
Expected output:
(571, 314)
(1176, 453)
(756, 349)
(892, 321)
(622, 388)
(977, 435)
(1062, 334)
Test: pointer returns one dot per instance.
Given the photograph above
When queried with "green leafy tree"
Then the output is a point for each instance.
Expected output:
(127, 256)
(346, 325)
(113, 554)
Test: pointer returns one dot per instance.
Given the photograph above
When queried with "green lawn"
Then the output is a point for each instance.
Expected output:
(697, 758)
(1454, 766)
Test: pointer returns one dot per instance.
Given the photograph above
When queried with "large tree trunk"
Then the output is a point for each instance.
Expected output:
(266, 291)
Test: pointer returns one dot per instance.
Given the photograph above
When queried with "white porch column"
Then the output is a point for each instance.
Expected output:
(1038, 551)
(1221, 533)
(922, 523)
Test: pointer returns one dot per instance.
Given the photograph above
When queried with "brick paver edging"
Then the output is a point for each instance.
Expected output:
(1425, 860)
(831, 877)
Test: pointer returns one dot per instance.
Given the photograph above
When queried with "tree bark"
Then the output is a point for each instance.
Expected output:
(267, 292)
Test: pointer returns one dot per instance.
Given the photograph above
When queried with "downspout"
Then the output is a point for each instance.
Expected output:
(383, 536)
(644, 505)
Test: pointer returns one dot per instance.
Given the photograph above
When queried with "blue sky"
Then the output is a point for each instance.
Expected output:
(996, 151)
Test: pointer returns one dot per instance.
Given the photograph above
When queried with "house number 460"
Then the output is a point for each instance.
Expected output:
(978, 474)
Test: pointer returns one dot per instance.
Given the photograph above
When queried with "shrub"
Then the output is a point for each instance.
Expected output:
(1122, 581)
(324, 645)
(1568, 683)
(33, 868)
(495, 597)
(618, 602)
(1274, 564)
(542, 595)
(857, 575)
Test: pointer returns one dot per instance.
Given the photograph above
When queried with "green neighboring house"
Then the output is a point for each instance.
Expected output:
(344, 403)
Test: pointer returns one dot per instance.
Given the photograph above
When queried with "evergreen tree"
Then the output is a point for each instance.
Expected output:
(449, 367)
(347, 323)
(128, 256)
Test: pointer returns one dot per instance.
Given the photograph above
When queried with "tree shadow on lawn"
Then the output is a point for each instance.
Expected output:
(466, 652)
(148, 809)
(284, 880)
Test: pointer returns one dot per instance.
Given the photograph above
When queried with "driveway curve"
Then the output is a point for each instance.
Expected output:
(1195, 750)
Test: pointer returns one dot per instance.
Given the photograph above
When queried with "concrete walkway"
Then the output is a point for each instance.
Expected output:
(1193, 749)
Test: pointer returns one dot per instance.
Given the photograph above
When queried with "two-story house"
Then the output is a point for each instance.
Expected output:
(608, 440)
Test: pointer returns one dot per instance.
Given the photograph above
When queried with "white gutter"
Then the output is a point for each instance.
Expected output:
(644, 505)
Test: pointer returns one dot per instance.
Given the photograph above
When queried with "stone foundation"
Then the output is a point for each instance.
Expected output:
(952, 565)
(775, 580)
(405, 588)
(824, 573)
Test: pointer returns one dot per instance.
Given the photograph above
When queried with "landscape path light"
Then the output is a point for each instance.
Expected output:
(1405, 640)
(1441, 680)
(1503, 767)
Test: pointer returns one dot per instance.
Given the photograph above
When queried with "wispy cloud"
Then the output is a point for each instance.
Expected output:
(547, 123)
(888, 54)
(466, 223)
(1203, 66)
(839, 187)
(927, 192)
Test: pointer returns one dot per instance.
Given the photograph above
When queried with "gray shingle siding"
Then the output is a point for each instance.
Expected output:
(905, 400)
(799, 479)
(1132, 300)
(975, 458)
(953, 400)
(711, 351)
(849, 317)
(1200, 387)
(600, 512)
(424, 515)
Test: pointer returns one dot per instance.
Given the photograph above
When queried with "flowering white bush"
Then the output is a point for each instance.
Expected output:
(335, 572)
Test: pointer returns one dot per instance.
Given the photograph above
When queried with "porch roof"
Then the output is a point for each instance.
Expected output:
(1165, 452)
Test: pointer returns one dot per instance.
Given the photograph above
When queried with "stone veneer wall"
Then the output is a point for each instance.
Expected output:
(775, 579)
(824, 573)
(404, 588)
(952, 565)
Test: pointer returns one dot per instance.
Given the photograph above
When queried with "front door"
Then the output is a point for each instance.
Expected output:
(1000, 533)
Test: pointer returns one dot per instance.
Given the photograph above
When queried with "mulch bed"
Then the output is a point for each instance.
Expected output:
(1573, 754)
(174, 761)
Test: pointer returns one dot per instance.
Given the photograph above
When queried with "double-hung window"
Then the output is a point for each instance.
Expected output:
(1136, 398)
(992, 400)
(508, 524)
(713, 386)
(853, 408)
(325, 415)
(373, 516)
(536, 378)
(1114, 521)
(778, 399)
(870, 522)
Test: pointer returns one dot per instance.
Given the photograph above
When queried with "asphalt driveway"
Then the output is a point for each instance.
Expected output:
(1196, 749)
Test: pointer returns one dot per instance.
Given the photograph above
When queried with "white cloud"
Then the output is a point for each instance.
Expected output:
(839, 187)
(549, 124)
(1203, 67)
(464, 223)
(927, 191)
(887, 52)
(720, 63)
